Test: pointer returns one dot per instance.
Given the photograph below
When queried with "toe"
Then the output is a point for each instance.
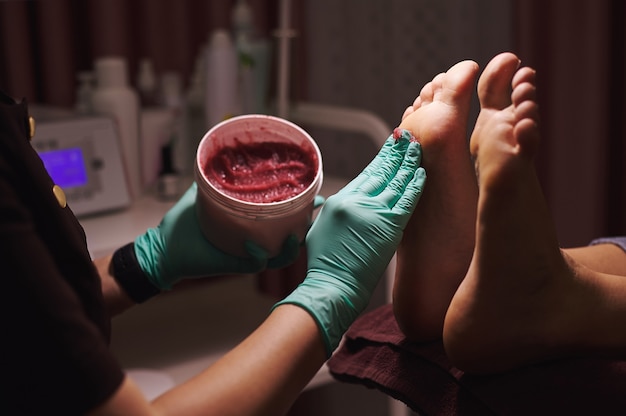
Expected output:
(524, 75)
(427, 94)
(409, 110)
(527, 110)
(524, 92)
(494, 85)
(527, 135)
(459, 81)
(417, 103)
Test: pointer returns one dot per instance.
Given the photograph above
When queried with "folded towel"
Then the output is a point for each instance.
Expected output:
(377, 355)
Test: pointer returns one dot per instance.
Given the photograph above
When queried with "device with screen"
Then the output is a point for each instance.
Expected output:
(83, 156)
(66, 166)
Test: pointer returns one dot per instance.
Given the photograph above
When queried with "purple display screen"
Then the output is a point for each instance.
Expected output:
(66, 166)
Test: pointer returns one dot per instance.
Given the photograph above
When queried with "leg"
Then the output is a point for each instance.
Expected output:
(605, 258)
(523, 299)
(437, 245)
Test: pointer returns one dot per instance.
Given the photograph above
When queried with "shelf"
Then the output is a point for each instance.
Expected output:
(107, 232)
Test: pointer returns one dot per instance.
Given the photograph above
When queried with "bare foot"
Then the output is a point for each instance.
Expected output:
(437, 246)
(522, 300)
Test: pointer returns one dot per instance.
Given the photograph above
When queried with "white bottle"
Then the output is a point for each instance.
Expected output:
(84, 92)
(176, 157)
(147, 84)
(182, 152)
(221, 94)
(243, 32)
(194, 114)
(114, 97)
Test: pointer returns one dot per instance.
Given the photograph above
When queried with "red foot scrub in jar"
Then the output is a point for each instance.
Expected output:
(257, 178)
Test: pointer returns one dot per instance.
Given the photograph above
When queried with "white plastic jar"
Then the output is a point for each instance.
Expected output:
(227, 222)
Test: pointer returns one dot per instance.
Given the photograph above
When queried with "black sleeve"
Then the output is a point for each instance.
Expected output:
(55, 357)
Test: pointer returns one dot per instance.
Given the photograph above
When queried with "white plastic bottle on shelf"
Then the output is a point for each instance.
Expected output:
(84, 92)
(182, 150)
(221, 94)
(194, 122)
(114, 97)
(253, 58)
(243, 32)
(147, 84)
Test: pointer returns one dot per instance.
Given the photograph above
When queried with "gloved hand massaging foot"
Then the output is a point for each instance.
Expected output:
(355, 235)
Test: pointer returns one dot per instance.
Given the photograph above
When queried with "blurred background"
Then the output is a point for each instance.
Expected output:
(373, 55)
(370, 55)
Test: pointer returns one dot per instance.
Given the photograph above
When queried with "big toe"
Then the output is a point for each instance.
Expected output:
(458, 82)
(494, 85)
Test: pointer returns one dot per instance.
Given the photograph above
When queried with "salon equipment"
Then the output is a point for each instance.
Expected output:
(83, 157)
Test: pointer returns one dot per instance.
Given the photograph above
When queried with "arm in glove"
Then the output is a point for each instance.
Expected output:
(355, 235)
(176, 249)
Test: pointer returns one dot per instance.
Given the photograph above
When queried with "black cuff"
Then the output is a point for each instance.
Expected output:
(129, 275)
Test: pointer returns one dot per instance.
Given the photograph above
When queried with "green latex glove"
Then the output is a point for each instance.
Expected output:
(176, 249)
(355, 235)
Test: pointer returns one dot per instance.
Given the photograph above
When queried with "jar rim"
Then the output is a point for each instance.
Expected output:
(250, 209)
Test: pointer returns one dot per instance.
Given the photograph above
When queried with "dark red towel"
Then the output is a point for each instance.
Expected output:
(376, 355)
